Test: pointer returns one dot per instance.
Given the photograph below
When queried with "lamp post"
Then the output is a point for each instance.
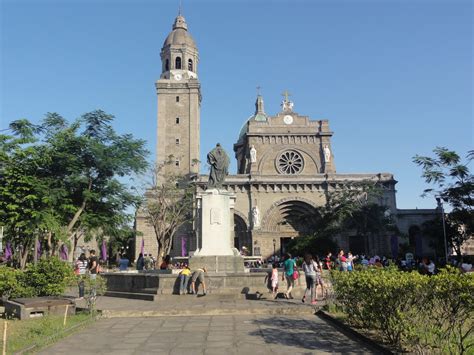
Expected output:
(274, 250)
(440, 206)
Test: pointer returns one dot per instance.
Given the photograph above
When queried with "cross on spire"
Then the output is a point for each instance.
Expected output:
(286, 94)
(258, 90)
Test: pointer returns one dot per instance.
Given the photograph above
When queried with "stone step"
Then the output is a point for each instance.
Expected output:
(132, 295)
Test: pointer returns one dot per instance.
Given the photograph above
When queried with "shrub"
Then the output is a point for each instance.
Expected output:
(12, 285)
(49, 277)
(410, 310)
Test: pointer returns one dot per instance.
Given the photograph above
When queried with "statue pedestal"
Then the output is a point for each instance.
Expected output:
(215, 231)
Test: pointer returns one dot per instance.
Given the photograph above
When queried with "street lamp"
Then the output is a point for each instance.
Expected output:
(274, 248)
(440, 206)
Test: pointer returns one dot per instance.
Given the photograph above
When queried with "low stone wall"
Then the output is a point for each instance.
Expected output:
(218, 283)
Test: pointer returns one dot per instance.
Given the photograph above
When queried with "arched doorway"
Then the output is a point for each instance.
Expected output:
(241, 234)
(290, 219)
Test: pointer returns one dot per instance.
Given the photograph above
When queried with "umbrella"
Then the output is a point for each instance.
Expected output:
(8, 251)
(143, 246)
(64, 252)
(103, 251)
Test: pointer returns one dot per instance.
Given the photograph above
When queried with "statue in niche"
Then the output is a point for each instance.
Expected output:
(327, 154)
(255, 217)
(253, 154)
(219, 162)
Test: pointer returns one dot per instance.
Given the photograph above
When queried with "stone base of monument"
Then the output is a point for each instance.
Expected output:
(218, 263)
(153, 286)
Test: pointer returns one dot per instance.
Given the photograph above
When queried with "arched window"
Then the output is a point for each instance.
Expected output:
(190, 65)
(177, 63)
(167, 65)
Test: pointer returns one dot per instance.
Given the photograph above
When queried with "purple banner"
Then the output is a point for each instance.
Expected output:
(184, 240)
(63, 254)
(142, 248)
(8, 251)
(38, 249)
(103, 251)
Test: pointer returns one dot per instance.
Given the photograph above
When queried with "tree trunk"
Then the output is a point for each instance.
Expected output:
(23, 256)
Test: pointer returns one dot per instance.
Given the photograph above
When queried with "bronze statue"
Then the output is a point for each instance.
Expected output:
(219, 162)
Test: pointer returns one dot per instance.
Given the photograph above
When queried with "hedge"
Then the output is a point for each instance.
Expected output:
(48, 277)
(410, 311)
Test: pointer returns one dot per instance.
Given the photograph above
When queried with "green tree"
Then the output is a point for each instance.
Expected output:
(352, 207)
(67, 177)
(454, 184)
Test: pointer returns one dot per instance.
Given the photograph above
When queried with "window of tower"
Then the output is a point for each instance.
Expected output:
(177, 98)
(178, 63)
(177, 120)
(167, 65)
(177, 141)
(176, 162)
(190, 65)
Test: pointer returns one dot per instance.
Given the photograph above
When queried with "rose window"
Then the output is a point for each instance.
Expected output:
(290, 163)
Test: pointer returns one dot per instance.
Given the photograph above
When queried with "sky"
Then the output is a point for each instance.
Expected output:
(394, 78)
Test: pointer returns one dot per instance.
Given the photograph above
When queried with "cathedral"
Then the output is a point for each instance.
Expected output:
(285, 165)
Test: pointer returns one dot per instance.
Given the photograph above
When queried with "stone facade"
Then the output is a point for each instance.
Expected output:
(179, 104)
(285, 163)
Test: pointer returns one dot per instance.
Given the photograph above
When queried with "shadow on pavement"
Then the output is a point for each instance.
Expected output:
(306, 334)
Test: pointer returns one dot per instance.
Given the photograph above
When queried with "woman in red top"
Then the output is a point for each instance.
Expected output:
(327, 260)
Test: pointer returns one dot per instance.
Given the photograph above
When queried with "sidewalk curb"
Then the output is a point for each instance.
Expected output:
(343, 328)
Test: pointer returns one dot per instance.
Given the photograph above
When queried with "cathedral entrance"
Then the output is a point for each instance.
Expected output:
(284, 241)
(293, 218)
(284, 221)
(241, 234)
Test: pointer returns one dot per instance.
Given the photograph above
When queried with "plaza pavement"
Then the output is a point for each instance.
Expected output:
(207, 325)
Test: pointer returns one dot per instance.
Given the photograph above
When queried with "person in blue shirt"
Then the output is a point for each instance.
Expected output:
(123, 263)
(289, 267)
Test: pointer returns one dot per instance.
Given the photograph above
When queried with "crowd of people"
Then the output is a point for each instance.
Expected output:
(285, 268)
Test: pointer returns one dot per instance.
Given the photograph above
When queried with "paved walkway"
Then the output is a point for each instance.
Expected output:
(243, 334)
(188, 305)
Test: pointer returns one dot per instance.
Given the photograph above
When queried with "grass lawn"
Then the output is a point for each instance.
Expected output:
(41, 331)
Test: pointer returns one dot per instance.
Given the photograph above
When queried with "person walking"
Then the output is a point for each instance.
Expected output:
(319, 278)
(80, 269)
(184, 279)
(198, 275)
(274, 279)
(309, 269)
(93, 271)
(289, 267)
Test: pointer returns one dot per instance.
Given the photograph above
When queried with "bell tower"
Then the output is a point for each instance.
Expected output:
(179, 103)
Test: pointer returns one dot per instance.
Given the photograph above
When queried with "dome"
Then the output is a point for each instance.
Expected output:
(244, 128)
(180, 34)
(259, 116)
